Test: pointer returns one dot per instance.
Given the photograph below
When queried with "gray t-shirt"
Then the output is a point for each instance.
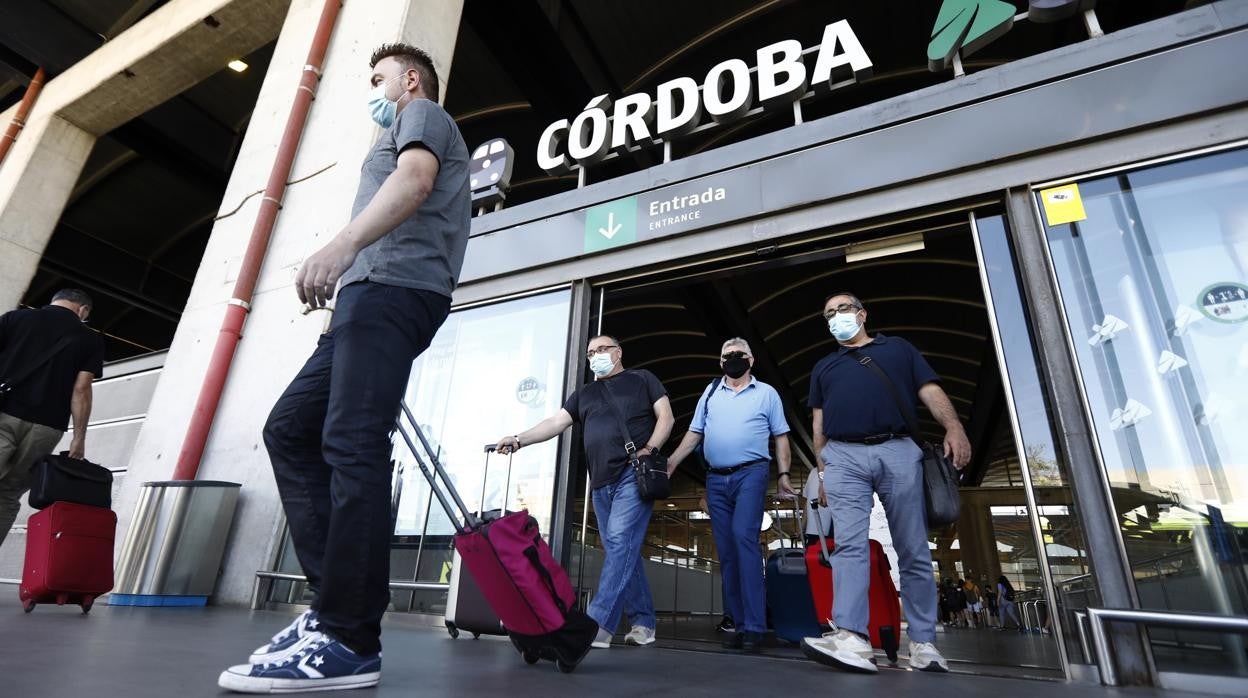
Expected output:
(426, 251)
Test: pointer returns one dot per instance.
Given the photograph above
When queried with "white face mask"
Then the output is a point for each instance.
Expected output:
(383, 110)
(844, 326)
(601, 364)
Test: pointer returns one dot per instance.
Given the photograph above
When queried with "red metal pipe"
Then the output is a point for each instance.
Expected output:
(23, 111)
(240, 303)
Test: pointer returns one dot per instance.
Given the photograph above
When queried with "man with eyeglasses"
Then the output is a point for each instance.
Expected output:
(865, 447)
(736, 416)
(623, 516)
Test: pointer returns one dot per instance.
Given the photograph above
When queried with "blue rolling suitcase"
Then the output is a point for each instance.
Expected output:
(789, 602)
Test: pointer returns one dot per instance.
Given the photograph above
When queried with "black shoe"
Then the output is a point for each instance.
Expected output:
(734, 641)
(726, 625)
(751, 643)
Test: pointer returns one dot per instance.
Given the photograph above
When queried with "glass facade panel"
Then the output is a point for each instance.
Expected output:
(1154, 279)
(491, 370)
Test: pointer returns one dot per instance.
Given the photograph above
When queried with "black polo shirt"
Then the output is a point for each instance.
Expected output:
(855, 402)
(25, 337)
(635, 391)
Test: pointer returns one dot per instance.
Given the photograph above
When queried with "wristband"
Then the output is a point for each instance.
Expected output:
(518, 444)
(785, 473)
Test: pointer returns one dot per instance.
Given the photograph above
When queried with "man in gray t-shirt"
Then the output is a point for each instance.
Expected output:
(395, 265)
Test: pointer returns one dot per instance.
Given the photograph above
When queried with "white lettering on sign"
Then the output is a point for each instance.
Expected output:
(727, 93)
(690, 204)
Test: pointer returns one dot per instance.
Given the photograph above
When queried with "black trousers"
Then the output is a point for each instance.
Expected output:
(328, 438)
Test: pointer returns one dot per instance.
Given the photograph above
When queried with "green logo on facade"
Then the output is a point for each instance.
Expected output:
(967, 26)
(611, 224)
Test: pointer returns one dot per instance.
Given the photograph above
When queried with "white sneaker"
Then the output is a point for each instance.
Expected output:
(603, 641)
(925, 657)
(841, 649)
(640, 636)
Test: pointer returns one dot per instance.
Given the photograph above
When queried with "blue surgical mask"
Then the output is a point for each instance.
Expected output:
(601, 364)
(844, 326)
(383, 110)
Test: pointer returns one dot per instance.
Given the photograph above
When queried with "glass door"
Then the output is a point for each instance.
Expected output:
(1152, 265)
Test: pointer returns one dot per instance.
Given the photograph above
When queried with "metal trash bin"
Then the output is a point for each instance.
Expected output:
(175, 543)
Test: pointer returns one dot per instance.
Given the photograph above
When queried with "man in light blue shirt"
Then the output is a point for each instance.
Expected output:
(736, 416)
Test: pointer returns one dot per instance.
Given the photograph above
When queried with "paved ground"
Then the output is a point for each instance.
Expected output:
(177, 653)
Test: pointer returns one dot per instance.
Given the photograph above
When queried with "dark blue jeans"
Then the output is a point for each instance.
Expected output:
(328, 438)
(736, 502)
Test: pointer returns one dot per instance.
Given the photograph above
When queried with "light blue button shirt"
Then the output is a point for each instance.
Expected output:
(736, 427)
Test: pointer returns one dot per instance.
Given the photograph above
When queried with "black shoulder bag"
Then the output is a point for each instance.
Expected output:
(940, 478)
(7, 384)
(650, 471)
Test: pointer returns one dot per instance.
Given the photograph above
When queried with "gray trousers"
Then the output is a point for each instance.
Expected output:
(893, 470)
(22, 444)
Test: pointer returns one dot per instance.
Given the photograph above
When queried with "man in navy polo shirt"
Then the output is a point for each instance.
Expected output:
(865, 447)
(737, 414)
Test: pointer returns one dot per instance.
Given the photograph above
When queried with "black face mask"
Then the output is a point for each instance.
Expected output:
(736, 365)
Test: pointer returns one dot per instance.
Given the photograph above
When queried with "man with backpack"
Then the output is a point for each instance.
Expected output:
(734, 420)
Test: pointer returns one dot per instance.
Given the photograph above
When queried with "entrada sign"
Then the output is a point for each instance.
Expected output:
(726, 94)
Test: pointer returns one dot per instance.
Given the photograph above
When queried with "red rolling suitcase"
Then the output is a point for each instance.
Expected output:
(885, 608)
(505, 554)
(69, 555)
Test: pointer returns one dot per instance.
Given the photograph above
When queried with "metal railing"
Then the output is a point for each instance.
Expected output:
(1099, 618)
(262, 587)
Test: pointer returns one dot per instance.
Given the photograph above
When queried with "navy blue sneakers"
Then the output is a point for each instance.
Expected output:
(317, 662)
(280, 646)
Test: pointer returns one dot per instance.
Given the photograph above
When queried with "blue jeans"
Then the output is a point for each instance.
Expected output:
(328, 438)
(736, 504)
(894, 470)
(622, 520)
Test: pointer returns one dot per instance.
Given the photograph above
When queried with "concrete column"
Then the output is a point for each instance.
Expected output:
(35, 182)
(278, 337)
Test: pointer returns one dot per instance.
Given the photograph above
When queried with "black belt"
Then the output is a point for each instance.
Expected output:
(735, 468)
(872, 440)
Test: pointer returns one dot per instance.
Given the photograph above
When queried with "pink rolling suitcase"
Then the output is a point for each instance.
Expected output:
(511, 563)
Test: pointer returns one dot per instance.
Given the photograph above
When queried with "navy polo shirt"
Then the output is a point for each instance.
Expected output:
(855, 402)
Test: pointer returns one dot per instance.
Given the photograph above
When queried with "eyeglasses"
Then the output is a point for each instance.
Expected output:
(842, 308)
(734, 355)
(600, 350)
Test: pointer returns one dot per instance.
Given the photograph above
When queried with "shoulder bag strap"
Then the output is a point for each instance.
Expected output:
(907, 413)
(629, 447)
(706, 406)
(8, 384)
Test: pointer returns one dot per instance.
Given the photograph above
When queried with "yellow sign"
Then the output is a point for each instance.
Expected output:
(1063, 204)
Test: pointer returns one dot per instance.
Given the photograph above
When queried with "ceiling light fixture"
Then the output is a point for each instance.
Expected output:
(236, 66)
(874, 249)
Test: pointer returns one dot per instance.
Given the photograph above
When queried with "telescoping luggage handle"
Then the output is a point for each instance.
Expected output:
(469, 518)
(485, 478)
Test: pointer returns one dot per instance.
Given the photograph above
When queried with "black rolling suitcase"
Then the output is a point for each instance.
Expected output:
(466, 607)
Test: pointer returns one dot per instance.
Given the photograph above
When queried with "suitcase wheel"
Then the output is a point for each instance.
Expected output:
(563, 666)
(476, 636)
(86, 604)
(454, 631)
(531, 658)
(28, 605)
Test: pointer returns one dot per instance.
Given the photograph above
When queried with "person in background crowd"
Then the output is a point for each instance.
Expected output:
(1005, 601)
(974, 603)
